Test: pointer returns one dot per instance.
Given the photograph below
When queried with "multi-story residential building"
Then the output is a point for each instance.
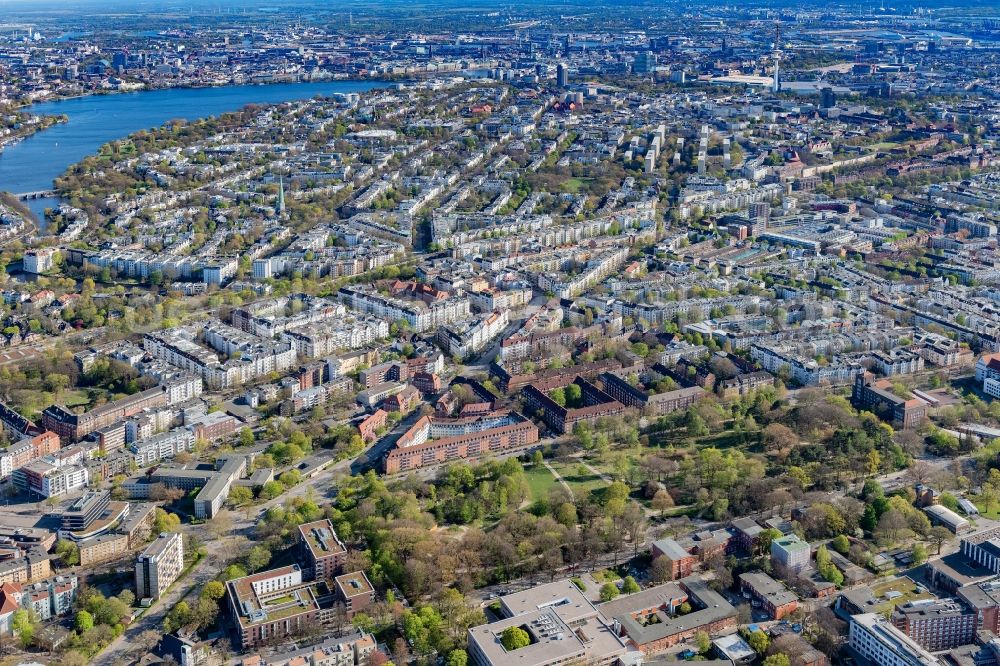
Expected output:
(162, 445)
(596, 405)
(596, 268)
(159, 565)
(257, 357)
(778, 360)
(350, 332)
(48, 477)
(878, 397)
(896, 362)
(659, 403)
(102, 548)
(984, 600)
(355, 591)
(45, 599)
(434, 440)
(322, 551)
(747, 534)
(50, 598)
(15, 424)
(273, 316)
(352, 650)
(40, 261)
(25, 565)
(74, 427)
(370, 426)
(936, 625)
(877, 640)
(418, 315)
(26, 450)
(382, 373)
(791, 552)
(272, 605)
(988, 374)
(770, 595)
(464, 341)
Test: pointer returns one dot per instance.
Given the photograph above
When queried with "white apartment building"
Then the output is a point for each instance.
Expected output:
(159, 565)
(877, 640)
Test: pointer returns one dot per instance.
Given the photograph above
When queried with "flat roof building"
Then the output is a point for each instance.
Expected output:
(322, 549)
(565, 627)
(791, 552)
(770, 595)
(876, 640)
(159, 565)
(650, 622)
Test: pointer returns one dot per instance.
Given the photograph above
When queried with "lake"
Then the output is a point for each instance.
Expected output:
(33, 164)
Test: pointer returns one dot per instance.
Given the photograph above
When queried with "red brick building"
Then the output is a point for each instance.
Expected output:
(682, 562)
(435, 440)
(372, 424)
(770, 595)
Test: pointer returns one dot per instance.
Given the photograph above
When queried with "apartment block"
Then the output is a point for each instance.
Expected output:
(874, 638)
(322, 551)
(159, 565)
(434, 440)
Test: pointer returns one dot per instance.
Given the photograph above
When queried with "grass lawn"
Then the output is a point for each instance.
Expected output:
(581, 483)
(540, 480)
(574, 185)
(905, 586)
(75, 398)
(729, 439)
(993, 514)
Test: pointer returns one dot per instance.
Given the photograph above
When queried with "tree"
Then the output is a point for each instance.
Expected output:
(778, 437)
(271, 489)
(841, 544)
(661, 570)
(939, 535)
(759, 641)
(574, 394)
(73, 658)
(23, 625)
(629, 586)
(164, 521)
(213, 590)
(83, 622)
(458, 658)
(704, 643)
(662, 501)
(239, 496)
(257, 558)
(919, 553)
(558, 396)
(609, 591)
(233, 571)
(514, 638)
(68, 552)
(891, 527)
(777, 660)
